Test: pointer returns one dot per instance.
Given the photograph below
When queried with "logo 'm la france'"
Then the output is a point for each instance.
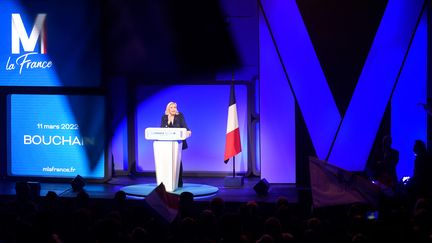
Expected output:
(19, 34)
(31, 59)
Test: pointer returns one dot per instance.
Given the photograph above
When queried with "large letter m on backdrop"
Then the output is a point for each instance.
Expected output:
(287, 54)
(19, 34)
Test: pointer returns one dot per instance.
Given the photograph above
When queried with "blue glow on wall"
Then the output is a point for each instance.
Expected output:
(358, 128)
(206, 110)
(277, 113)
(408, 119)
(305, 75)
(119, 148)
(365, 111)
(57, 136)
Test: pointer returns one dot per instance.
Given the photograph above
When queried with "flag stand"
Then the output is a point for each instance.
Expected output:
(233, 181)
(233, 145)
(233, 166)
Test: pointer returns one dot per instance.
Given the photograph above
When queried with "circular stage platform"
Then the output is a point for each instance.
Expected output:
(198, 190)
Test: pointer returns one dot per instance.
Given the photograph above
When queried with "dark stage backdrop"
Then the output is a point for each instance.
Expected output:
(187, 52)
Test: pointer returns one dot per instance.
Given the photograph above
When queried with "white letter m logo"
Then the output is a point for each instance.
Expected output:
(19, 34)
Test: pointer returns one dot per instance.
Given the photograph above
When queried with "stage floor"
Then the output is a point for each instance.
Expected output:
(108, 189)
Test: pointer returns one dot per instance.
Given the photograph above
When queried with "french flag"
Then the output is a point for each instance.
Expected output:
(232, 145)
(163, 203)
(333, 186)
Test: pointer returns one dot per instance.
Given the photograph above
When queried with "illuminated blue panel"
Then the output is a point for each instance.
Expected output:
(119, 151)
(119, 148)
(56, 136)
(360, 124)
(257, 165)
(305, 74)
(277, 116)
(408, 119)
(205, 108)
(49, 43)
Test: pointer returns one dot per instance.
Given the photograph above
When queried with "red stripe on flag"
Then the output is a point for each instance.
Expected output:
(232, 145)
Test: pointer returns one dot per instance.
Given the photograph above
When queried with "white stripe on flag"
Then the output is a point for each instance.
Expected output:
(232, 118)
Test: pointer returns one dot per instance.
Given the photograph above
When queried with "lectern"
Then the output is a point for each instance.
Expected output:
(167, 147)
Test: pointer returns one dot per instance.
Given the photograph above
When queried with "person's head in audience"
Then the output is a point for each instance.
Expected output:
(359, 238)
(140, 234)
(273, 228)
(120, 196)
(282, 201)
(22, 190)
(217, 205)
(82, 199)
(51, 195)
(186, 197)
(265, 239)
(422, 203)
(419, 148)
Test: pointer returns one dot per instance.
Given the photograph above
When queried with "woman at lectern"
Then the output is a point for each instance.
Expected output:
(174, 118)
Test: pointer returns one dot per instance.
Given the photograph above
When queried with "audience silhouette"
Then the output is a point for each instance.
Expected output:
(386, 160)
(51, 218)
(421, 182)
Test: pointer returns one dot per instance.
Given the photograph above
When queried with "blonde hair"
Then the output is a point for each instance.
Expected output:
(167, 108)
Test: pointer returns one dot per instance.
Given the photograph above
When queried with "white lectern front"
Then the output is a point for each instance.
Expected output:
(167, 147)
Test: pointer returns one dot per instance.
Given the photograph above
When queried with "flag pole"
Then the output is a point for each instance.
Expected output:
(232, 146)
(232, 83)
(233, 166)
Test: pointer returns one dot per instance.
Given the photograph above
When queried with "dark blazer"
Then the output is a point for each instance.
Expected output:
(179, 122)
